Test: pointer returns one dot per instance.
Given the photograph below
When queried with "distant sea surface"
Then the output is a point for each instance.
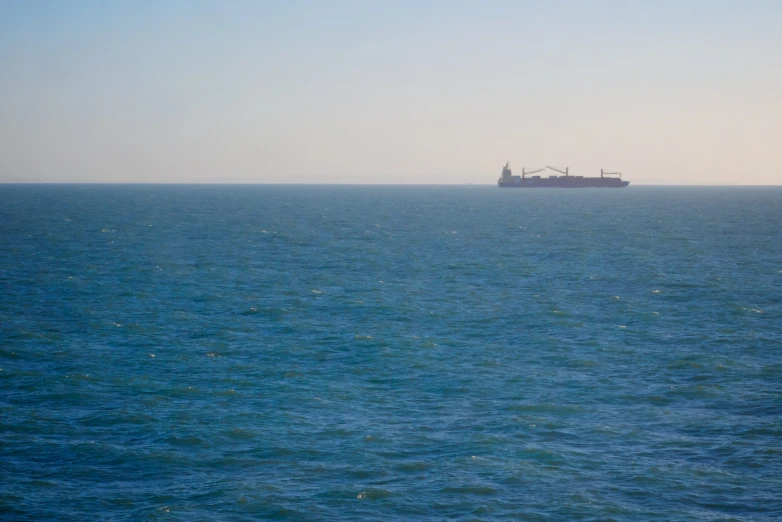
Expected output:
(334, 353)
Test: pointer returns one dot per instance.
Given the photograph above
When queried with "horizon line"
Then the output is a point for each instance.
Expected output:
(465, 184)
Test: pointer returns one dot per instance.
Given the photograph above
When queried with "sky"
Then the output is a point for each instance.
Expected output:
(404, 91)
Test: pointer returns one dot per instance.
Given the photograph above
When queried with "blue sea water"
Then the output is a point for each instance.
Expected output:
(341, 353)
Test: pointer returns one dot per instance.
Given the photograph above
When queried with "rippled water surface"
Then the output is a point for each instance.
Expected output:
(390, 353)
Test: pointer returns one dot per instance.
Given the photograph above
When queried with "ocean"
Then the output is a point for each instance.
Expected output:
(340, 353)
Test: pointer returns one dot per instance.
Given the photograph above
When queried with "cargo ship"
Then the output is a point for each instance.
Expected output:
(561, 180)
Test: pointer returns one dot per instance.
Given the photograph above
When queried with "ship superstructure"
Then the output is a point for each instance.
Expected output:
(563, 180)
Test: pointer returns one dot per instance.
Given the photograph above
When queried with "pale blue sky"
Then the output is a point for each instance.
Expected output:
(354, 91)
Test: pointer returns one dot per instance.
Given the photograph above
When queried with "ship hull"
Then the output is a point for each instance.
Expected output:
(571, 182)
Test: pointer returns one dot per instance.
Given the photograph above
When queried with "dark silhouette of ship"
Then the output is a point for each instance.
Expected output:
(606, 179)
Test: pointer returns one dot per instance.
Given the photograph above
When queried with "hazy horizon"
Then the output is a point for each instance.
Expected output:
(351, 92)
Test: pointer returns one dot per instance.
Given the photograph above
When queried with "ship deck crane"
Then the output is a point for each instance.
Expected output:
(565, 172)
(524, 173)
(619, 174)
